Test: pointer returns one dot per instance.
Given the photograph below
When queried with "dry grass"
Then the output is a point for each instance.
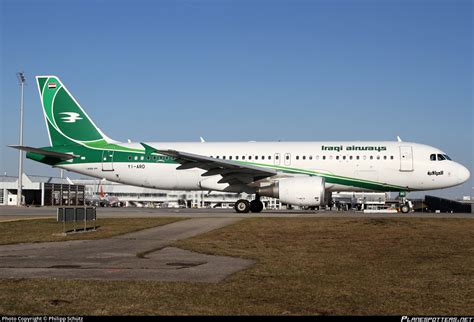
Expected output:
(305, 266)
(48, 230)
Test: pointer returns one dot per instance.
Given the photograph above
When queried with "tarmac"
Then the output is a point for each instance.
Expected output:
(8, 213)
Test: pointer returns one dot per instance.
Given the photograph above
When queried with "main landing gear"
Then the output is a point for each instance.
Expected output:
(244, 206)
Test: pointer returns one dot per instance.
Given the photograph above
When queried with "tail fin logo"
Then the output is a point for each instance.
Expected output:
(70, 117)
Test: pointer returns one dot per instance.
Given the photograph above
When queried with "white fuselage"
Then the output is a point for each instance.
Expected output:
(347, 166)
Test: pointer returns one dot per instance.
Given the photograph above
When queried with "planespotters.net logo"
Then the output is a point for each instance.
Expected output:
(437, 319)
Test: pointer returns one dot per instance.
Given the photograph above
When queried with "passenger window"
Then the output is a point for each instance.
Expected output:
(223, 157)
(441, 157)
(324, 157)
(304, 157)
(256, 157)
(148, 157)
(250, 157)
(269, 157)
(243, 157)
(129, 157)
(154, 157)
(135, 158)
(433, 157)
(311, 157)
(297, 157)
(350, 158)
(343, 157)
(378, 157)
(287, 157)
(277, 157)
(391, 157)
(337, 157)
(236, 157)
(385, 157)
(230, 158)
(371, 157)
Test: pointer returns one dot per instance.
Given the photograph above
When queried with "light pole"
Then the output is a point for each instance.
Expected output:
(19, 201)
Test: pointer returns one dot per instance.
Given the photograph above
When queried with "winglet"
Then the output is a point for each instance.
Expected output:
(398, 139)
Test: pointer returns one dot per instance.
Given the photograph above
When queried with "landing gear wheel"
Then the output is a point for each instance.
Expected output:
(242, 206)
(405, 209)
(256, 206)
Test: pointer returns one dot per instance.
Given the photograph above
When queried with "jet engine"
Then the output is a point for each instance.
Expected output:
(301, 191)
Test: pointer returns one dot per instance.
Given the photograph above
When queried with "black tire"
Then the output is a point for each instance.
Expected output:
(405, 209)
(256, 206)
(242, 206)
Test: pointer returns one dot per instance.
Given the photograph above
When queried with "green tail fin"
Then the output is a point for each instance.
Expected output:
(66, 121)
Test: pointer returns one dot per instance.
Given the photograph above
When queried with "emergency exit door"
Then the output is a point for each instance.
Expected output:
(406, 158)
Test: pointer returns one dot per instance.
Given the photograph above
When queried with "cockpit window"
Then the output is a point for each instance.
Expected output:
(447, 157)
(433, 157)
(441, 157)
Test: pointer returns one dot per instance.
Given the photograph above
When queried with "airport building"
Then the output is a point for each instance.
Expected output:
(132, 196)
(52, 191)
(41, 191)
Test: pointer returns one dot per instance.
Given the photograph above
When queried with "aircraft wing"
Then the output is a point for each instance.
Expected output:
(57, 155)
(233, 172)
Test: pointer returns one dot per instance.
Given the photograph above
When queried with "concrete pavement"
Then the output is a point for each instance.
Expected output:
(142, 255)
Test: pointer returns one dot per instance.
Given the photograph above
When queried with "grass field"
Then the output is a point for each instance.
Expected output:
(329, 266)
(48, 230)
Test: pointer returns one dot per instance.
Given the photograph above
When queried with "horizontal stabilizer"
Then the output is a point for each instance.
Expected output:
(57, 155)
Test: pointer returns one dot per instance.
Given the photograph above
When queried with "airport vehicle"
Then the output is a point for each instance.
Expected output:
(298, 173)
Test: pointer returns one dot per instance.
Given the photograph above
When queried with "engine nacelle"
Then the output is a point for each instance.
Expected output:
(304, 191)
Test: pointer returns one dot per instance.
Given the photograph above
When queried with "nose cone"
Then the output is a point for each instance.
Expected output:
(463, 174)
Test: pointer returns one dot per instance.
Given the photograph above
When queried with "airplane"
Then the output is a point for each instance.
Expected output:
(297, 173)
(102, 199)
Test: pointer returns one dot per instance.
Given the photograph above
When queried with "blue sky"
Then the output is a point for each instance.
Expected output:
(246, 70)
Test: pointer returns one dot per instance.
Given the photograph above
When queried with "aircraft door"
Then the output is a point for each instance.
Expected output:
(406, 158)
(108, 160)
